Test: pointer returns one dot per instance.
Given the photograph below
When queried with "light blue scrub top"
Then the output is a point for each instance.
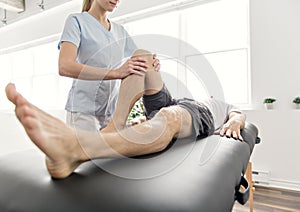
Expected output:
(101, 48)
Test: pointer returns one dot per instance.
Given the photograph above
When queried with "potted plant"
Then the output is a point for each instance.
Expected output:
(269, 103)
(297, 102)
(137, 110)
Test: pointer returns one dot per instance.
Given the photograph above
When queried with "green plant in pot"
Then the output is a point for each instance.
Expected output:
(297, 102)
(137, 110)
(269, 102)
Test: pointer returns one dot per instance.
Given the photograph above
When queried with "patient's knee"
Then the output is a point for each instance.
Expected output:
(148, 56)
(171, 114)
(141, 52)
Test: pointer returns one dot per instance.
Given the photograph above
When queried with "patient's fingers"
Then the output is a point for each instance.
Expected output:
(229, 132)
(223, 130)
(234, 134)
(240, 137)
(217, 132)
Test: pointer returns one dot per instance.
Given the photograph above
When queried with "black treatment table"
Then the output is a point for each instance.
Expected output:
(202, 175)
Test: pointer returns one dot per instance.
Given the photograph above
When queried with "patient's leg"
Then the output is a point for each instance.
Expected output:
(132, 88)
(66, 149)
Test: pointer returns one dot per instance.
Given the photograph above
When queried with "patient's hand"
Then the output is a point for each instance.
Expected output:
(231, 129)
(135, 121)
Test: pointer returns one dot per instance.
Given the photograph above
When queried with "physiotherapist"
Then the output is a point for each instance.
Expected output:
(92, 50)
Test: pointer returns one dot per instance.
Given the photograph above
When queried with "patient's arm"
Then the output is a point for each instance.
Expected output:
(232, 128)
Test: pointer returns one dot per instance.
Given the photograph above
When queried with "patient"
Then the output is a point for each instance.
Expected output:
(66, 148)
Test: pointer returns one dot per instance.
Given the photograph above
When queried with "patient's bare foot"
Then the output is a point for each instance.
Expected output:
(50, 135)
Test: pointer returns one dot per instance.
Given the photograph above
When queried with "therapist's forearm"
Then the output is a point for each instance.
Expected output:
(85, 72)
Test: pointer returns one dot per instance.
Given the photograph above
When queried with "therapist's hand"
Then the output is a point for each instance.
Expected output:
(156, 63)
(134, 65)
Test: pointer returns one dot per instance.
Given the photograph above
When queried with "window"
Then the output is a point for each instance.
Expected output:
(219, 30)
(143, 29)
(35, 72)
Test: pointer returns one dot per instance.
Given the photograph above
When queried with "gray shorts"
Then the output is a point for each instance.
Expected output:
(203, 123)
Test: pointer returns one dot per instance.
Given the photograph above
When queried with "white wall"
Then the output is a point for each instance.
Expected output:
(128, 6)
(275, 48)
(13, 135)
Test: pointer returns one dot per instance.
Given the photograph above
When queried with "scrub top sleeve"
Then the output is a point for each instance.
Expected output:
(130, 46)
(71, 32)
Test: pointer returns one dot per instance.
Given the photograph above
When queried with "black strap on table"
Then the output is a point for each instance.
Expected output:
(242, 197)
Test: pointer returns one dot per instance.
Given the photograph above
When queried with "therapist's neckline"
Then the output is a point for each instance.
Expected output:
(99, 22)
